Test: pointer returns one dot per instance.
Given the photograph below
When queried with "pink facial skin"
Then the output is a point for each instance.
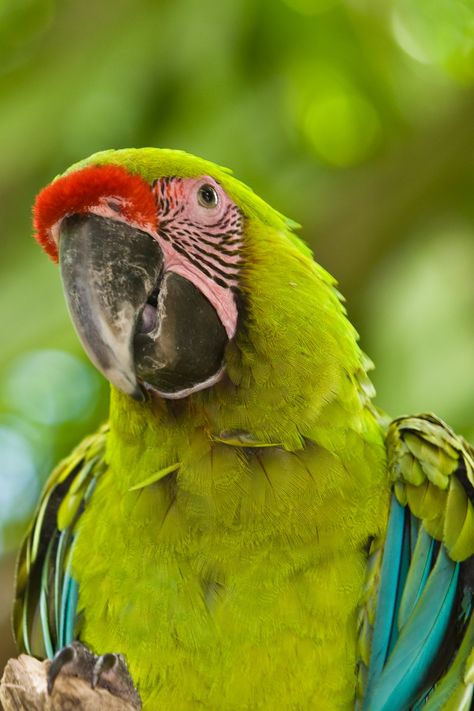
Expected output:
(201, 242)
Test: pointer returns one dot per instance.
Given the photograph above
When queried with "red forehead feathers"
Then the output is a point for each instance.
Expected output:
(86, 188)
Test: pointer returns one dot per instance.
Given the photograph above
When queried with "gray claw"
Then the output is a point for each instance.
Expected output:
(73, 660)
(108, 671)
(111, 672)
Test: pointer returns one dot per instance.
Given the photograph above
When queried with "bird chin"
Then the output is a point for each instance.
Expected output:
(213, 380)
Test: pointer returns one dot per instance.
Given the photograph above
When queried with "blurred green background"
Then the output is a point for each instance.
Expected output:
(354, 117)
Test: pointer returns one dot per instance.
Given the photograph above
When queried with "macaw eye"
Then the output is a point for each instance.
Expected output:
(207, 196)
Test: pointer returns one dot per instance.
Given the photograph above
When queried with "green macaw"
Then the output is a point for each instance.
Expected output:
(247, 531)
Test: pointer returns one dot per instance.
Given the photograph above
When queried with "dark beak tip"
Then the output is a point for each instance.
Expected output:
(139, 395)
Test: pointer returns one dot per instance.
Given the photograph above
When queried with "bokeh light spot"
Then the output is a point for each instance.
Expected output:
(50, 387)
(406, 40)
(437, 33)
(342, 126)
(18, 478)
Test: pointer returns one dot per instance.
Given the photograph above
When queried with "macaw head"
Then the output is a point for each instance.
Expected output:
(166, 259)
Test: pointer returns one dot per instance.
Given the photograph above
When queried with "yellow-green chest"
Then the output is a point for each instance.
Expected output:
(232, 582)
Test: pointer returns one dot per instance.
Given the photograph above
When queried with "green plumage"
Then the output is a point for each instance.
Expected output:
(230, 544)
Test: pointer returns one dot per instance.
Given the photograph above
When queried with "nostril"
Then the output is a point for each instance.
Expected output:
(153, 298)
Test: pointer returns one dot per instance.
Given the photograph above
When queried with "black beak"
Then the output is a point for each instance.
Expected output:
(140, 325)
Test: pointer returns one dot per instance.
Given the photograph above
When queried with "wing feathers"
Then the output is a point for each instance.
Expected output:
(46, 594)
(388, 591)
(429, 661)
(419, 641)
(455, 690)
(418, 575)
(443, 497)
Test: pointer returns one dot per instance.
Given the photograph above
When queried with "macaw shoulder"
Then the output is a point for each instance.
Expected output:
(433, 473)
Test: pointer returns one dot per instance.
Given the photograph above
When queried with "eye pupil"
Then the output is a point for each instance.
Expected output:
(207, 196)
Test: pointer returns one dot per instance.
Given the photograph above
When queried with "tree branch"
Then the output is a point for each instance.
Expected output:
(23, 688)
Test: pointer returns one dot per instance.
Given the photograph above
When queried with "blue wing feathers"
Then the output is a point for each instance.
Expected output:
(419, 641)
(402, 575)
(69, 598)
(66, 589)
(421, 563)
(388, 591)
(71, 607)
(419, 597)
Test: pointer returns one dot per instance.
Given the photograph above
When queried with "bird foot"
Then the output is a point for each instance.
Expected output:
(107, 671)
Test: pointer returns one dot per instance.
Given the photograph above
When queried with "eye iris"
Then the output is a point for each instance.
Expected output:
(207, 196)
